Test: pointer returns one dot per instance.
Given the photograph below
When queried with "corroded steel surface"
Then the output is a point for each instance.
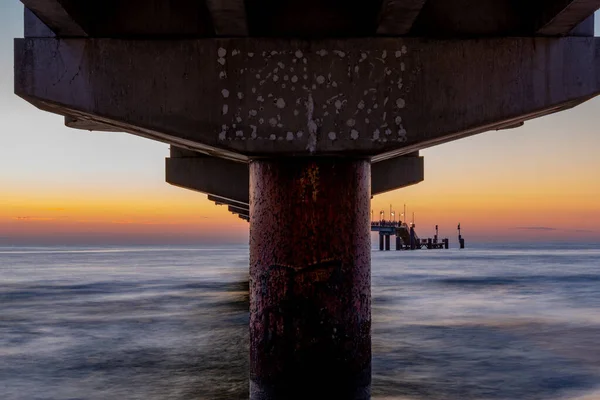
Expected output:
(310, 280)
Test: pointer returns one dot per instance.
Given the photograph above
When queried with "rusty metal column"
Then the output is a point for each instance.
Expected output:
(310, 279)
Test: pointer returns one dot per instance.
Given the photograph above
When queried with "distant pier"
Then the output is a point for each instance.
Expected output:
(406, 237)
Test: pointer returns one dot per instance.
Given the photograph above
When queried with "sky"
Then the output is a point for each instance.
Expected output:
(61, 186)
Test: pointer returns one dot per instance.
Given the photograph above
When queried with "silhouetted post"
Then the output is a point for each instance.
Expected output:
(412, 238)
(398, 243)
(429, 242)
(387, 242)
(310, 298)
(446, 244)
(381, 241)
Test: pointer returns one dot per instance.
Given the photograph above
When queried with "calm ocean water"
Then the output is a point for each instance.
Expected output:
(171, 323)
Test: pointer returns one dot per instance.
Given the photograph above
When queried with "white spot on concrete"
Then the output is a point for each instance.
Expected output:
(299, 134)
(275, 78)
(334, 84)
(375, 106)
(367, 120)
(398, 120)
(273, 122)
(376, 134)
(238, 119)
(320, 79)
(326, 113)
(274, 53)
(261, 121)
(400, 84)
(253, 134)
(354, 134)
(222, 135)
(361, 105)
(234, 53)
(368, 111)
(338, 104)
(290, 136)
(240, 95)
(273, 137)
(260, 99)
(293, 88)
(314, 86)
(280, 103)
(239, 133)
(398, 54)
(294, 79)
(322, 52)
(384, 116)
(221, 61)
(253, 90)
(281, 65)
(351, 122)
(402, 67)
(363, 57)
(400, 103)
(252, 113)
(356, 69)
(221, 52)
(384, 54)
(305, 76)
(388, 132)
(225, 93)
(331, 135)
(257, 76)
(296, 112)
(339, 53)
(225, 109)
(404, 50)
(286, 78)
(283, 85)
(222, 75)
(299, 54)
(250, 54)
(311, 124)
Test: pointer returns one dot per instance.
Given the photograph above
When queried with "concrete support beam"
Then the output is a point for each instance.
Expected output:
(560, 17)
(345, 102)
(33, 26)
(398, 16)
(245, 212)
(58, 15)
(227, 179)
(396, 173)
(226, 182)
(83, 124)
(229, 17)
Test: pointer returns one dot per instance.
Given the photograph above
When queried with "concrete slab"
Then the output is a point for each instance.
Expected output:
(378, 98)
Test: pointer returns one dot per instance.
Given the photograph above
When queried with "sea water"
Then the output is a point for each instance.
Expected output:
(495, 322)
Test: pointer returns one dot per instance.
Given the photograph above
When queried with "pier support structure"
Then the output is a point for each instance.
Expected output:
(310, 282)
(241, 89)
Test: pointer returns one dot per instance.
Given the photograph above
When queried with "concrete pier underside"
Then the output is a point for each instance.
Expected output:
(294, 114)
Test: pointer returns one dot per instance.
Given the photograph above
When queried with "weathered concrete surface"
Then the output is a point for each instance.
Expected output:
(398, 16)
(363, 97)
(310, 302)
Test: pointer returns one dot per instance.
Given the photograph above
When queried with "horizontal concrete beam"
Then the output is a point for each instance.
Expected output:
(229, 17)
(227, 179)
(227, 182)
(239, 210)
(396, 173)
(398, 16)
(560, 17)
(374, 97)
(79, 123)
(59, 15)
